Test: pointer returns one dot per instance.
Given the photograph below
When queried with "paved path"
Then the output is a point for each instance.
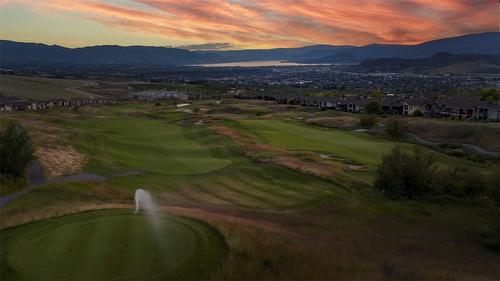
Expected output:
(474, 148)
(36, 178)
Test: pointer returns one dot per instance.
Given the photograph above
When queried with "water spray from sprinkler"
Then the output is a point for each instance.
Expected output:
(144, 201)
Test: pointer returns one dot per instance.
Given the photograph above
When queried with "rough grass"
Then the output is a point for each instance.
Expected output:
(481, 134)
(39, 88)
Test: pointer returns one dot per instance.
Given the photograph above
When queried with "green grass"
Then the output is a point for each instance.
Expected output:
(168, 158)
(144, 144)
(354, 146)
(111, 245)
(365, 230)
(38, 88)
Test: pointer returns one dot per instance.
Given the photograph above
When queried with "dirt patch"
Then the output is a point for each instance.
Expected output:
(60, 160)
(307, 167)
(343, 122)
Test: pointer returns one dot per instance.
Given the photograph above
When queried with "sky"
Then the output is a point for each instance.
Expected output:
(242, 24)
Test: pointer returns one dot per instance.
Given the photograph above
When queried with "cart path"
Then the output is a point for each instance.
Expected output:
(36, 178)
(474, 148)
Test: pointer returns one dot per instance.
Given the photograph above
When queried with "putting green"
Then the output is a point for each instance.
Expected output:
(111, 245)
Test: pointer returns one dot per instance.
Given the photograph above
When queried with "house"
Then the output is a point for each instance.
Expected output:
(487, 111)
(458, 107)
(329, 103)
(392, 105)
(352, 103)
(412, 106)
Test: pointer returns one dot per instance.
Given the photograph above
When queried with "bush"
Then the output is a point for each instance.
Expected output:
(367, 121)
(406, 174)
(460, 183)
(16, 151)
(395, 128)
(417, 113)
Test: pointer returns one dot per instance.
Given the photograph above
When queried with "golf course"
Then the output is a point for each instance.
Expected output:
(245, 190)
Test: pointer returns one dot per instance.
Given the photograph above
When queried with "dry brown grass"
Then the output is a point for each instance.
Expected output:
(60, 160)
(341, 122)
(319, 245)
(11, 219)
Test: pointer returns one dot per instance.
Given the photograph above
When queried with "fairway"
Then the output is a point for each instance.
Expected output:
(111, 245)
(151, 146)
(39, 88)
(355, 146)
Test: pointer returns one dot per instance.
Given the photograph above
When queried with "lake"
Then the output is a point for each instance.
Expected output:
(256, 64)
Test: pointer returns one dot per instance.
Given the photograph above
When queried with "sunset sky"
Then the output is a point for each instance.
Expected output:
(242, 24)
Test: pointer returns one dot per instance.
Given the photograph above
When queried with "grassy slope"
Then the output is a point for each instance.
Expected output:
(38, 88)
(186, 163)
(111, 245)
(154, 146)
(355, 146)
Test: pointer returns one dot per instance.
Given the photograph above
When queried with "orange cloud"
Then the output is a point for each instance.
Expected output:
(272, 23)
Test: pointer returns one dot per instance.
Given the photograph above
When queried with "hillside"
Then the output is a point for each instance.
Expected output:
(15, 53)
(438, 63)
(483, 43)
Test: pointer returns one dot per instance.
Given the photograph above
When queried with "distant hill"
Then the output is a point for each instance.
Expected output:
(441, 62)
(16, 53)
(482, 43)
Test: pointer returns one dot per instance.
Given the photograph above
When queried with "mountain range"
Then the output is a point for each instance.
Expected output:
(441, 62)
(18, 53)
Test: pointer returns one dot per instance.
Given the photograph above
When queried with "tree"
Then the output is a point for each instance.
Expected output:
(406, 174)
(16, 151)
(373, 107)
(367, 121)
(378, 95)
(491, 94)
(395, 128)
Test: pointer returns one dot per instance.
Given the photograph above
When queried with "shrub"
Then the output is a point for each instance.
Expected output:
(460, 183)
(395, 128)
(417, 113)
(16, 151)
(367, 121)
(373, 107)
(406, 174)
(491, 94)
